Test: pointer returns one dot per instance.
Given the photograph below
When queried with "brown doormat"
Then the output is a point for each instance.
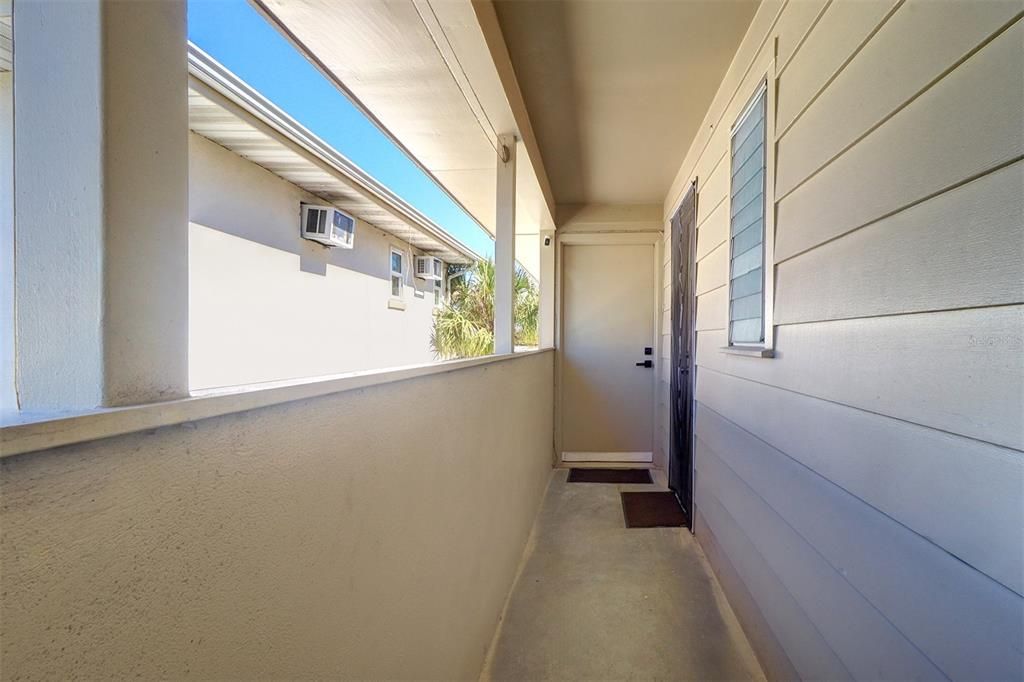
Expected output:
(609, 476)
(652, 510)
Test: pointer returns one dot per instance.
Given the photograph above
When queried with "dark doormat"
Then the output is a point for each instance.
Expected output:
(609, 476)
(652, 510)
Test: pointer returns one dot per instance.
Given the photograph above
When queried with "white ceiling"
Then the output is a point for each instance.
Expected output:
(616, 89)
(606, 95)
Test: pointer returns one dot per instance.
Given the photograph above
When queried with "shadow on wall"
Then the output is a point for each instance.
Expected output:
(314, 264)
(229, 194)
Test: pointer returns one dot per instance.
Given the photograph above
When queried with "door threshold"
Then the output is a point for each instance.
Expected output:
(606, 457)
(607, 465)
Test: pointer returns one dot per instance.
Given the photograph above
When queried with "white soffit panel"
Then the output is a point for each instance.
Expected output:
(222, 108)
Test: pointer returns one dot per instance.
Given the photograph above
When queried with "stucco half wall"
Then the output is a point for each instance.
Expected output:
(372, 533)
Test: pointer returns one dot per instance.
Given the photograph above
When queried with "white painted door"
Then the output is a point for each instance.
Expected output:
(607, 401)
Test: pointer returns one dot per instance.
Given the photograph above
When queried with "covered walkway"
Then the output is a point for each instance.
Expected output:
(595, 600)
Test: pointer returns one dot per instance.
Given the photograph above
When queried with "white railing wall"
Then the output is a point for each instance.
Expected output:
(371, 532)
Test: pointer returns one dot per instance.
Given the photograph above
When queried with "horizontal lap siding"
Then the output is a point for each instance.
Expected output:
(866, 486)
(774, 658)
(966, 124)
(809, 653)
(800, 16)
(841, 557)
(920, 42)
(866, 643)
(958, 371)
(935, 472)
(712, 270)
(840, 33)
(713, 190)
(910, 253)
(712, 310)
(714, 231)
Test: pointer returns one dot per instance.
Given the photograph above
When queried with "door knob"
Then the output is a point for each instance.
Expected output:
(645, 363)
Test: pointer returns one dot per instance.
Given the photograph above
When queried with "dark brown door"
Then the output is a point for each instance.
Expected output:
(684, 304)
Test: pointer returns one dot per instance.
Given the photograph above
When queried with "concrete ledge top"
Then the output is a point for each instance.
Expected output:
(28, 432)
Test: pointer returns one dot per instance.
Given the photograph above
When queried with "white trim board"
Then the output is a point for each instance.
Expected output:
(607, 456)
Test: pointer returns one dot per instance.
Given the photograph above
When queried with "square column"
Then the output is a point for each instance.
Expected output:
(505, 247)
(546, 324)
(101, 202)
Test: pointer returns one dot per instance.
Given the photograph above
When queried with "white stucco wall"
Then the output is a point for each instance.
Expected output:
(266, 304)
(319, 539)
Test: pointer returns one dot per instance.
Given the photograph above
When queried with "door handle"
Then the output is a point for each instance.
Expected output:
(645, 363)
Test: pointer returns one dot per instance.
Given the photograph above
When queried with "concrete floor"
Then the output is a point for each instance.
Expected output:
(597, 601)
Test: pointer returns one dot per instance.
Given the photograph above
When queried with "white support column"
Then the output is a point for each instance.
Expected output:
(101, 202)
(505, 246)
(547, 289)
(8, 399)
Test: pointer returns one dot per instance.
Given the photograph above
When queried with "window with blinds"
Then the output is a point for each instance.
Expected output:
(746, 224)
(397, 273)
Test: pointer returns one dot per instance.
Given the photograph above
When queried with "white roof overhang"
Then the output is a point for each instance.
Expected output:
(435, 77)
(226, 110)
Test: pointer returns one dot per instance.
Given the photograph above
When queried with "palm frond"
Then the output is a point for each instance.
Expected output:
(464, 326)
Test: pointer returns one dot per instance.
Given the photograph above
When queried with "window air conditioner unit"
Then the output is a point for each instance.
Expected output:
(328, 225)
(428, 267)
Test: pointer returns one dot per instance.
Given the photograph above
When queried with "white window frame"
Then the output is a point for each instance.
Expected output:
(439, 299)
(400, 274)
(765, 348)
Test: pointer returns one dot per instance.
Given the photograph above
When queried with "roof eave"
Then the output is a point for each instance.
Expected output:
(247, 102)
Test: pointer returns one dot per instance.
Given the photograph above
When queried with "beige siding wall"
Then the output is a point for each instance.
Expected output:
(265, 304)
(861, 492)
(369, 534)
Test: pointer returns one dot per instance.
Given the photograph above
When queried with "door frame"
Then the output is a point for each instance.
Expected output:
(563, 240)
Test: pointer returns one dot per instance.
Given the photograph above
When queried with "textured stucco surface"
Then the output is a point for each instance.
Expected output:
(373, 533)
(101, 190)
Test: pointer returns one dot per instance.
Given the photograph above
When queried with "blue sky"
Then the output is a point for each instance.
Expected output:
(234, 34)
